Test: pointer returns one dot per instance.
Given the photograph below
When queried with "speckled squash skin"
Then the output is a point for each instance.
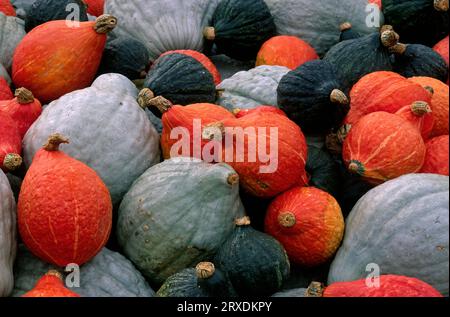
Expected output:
(7, 8)
(442, 49)
(5, 91)
(12, 31)
(190, 203)
(112, 104)
(407, 217)
(437, 157)
(50, 285)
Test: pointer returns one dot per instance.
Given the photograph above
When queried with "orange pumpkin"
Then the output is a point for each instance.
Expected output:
(68, 220)
(308, 222)
(442, 49)
(7, 8)
(379, 3)
(10, 143)
(382, 146)
(5, 91)
(50, 285)
(56, 58)
(95, 7)
(420, 115)
(239, 113)
(288, 51)
(437, 157)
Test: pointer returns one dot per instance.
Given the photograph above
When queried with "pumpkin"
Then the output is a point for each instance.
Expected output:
(208, 197)
(436, 159)
(5, 91)
(420, 115)
(285, 50)
(418, 21)
(406, 217)
(52, 230)
(10, 143)
(442, 49)
(95, 7)
(314, 97)
(255, 263)
(7, 236)
(315, 289)
(50, 285)
(24, 109)
(318, 23)
(16, 183)
(379, 3)
(250, 89)
(7, 8)
(118, 124)
(228, 67)
(164, 25)
(4, 75)
(240, 27)
(43, 57)
(12, 31)
(309, 224)
(439, 103)
(347, 32)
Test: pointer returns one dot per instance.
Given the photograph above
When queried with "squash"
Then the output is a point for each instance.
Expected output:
(208, 198)
(347, 32)
(420, 115)
(408, 217)
(309, 224)
(52, 230)
(239, 28)
(4, 75)
(7, 236)
(16, 183)
(250, 89)
(205, 280)
(318, 23)
(228, 67)
(24, 109)
(10, 143)
(12, 31)
(7, 8)
(439, 103)
(285, 50)
(95, 7)
(50, 285)
(255, 263)
(315, 289)
(43, 57)
(382, 146)
(418, 21)
(164, 25)
(5, 91)
(379, 3)
(314, 97)
(436, 159)
(442, 49)
(112, 111)
(108, 274)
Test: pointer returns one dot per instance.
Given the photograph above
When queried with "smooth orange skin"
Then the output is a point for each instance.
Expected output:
(319, 227)
(288, 51)
(437, 157)
(7, 8)
(50, 286)
(55, 59)
(10, 139)
(244, 112)
(64, 210)
(424, 123)
(5, 91)
(390, 286)
(386, 145)
(442, 49)
(95, 7)
(23, 114)
(439, 103)
(383, 91)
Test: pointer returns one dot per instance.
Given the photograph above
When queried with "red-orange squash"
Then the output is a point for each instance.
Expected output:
(442, 49)
(382, 146)
(284, 50)
(308, 222)
(379, 3)
(5, 91)
(50, 285)
(437, 157)
(45, 64)
(420, 115)
(7, 8)
(239, 113)
(10, 143)
(95, 7)
(68, 220)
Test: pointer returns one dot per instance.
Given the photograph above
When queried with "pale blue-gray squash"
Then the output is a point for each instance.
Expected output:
(4, 74)
(22, 7)
(12, 31)
(402, 226)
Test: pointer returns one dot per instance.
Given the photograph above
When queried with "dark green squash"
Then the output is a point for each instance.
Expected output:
(240, 27)
(314, 96)
(347, 32)
(255, 263)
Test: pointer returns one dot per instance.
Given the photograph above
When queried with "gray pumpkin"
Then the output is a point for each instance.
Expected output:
(4, 74)
(164, 25)
(12, 31)
(403, 227)
(8, 239)
(22, 7)
(107, 130)
(177, 214)
(109, 274)
(249, 89)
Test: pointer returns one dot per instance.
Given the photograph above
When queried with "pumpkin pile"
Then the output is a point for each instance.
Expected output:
(224, 148)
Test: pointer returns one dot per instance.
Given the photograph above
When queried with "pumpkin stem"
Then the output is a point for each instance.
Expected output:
(337, 96)
(213, 131)
(236, 111)
(54, 273)
(209, 33)
(105, 24)
(205, 270)
(12, 161)
(219, 93)
(315, 289)
(345, 26)
(233, 179)
(430, 89)
(242, 222)
(356, 167)
(147, 99)
(54, 142)
(24, 96)
(420, 108)
(398, 49)
(287, 219)
(389, 38)
(386, 27)
(441, 5)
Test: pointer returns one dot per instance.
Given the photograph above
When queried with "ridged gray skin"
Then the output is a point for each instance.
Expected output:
(317, 22)
(4, 74)
(107, 130)
(164, 25)
(402, 226)
(253, 88)
(12, 31)
(298, 292)
(177, 214)
(8, 236)
(109, 274)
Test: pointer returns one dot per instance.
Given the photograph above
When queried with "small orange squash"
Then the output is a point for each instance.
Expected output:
(420, 115)
(10, 143)
(7, 8)
(50, 285)
(5, 91)
(437, 157)
(95, 7)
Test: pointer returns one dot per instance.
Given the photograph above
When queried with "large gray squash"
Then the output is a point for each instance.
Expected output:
(164, 25)
(107, 130)
(4, 74)
(12, 31)
(401, 226)
(109, 274)
(177, 214)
